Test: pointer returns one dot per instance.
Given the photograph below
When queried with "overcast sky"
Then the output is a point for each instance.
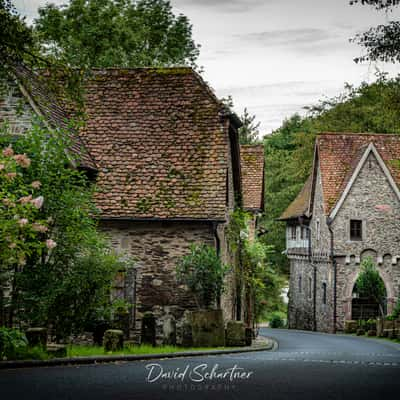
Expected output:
(275, 56)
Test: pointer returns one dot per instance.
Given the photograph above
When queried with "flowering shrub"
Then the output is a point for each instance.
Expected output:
(62, 267)
(22, 231)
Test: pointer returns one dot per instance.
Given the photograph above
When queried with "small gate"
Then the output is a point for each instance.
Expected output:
(363, 308)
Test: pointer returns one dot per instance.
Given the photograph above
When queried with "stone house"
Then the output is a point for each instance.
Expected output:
(348, 209)
(166, 158)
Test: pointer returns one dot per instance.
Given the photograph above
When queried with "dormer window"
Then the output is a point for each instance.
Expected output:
(355, 229)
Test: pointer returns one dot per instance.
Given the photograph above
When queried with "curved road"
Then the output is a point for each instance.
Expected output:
(305, 365)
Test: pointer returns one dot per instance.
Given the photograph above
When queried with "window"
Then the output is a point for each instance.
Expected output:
(318, 229)
(355, 229)
(309, 287)
(303, 233)
(293, 232)
(300, 284)
(324, 293)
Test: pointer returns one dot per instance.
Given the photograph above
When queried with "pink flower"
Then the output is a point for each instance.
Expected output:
(23, 222)
(50, 244)
(25, 199)
(36, 184)
(39, 228)
(38, 202)
(8, 152)
(2, 166)
(22, 160)
(11, 175)
(8, 202)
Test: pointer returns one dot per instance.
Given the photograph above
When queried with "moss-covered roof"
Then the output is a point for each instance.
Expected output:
(160, 141)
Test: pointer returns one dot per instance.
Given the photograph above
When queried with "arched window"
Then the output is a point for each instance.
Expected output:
(324, 293)
(300, 284)
(309, 288)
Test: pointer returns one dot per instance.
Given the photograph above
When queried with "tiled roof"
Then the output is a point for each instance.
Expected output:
(339, 154)
(299, 206)
(52, 110)
(160, 143)
(252, 170)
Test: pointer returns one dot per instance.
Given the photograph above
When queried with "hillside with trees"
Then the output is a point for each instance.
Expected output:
(373, 108)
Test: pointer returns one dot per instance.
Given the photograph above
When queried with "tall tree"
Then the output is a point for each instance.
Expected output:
(249, 132)
(124, 33)
(382, 43)
(17, 42)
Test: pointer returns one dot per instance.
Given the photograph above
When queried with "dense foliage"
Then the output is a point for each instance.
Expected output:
(381, 43)
(203, 273)
(289, 150)
(11, 343)
(67, 285)
(276, 320)
(110, 33)
(17, 42)
(255, 276)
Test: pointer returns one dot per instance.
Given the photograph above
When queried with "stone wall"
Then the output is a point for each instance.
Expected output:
(301, 294)
(157, 246)
(373, 201)
(14, 109)
(300, 307)
(320, 242)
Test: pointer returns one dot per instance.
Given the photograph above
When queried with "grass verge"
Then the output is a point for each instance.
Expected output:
(87, 351)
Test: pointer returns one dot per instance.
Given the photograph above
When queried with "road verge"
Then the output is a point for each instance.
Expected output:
(261, 344)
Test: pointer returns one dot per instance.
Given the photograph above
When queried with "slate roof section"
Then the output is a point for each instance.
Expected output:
(299, 207)
(252, 171)
(160, 139)
(339, 154)
(52, 111)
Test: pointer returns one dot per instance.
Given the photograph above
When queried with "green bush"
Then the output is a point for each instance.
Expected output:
(277, 321)
(203, 273)
(12, 342)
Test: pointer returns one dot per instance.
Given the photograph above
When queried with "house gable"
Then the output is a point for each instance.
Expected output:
(373, 201)
(370, 149)
(339, 155)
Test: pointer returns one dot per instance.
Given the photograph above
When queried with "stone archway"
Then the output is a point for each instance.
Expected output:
(348, 290)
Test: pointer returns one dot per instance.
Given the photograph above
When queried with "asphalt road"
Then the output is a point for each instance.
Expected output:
(305, 366)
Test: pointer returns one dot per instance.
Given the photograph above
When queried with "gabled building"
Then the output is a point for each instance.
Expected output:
(168, 162)
(165, 155)
(348, 209)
